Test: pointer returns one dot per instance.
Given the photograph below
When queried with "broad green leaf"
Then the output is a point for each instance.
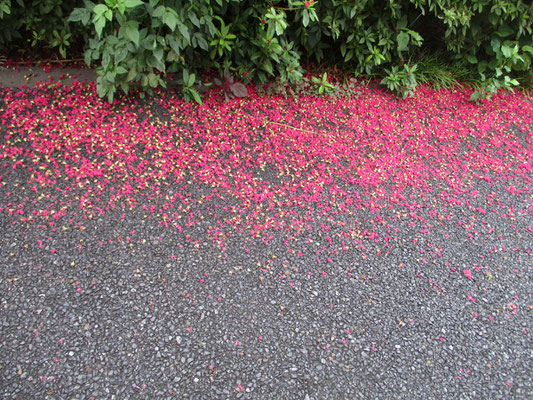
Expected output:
(495, 44)
(106, 59)
(120, 55)
(132, 3)
(278, 28)
(155, 63)
(305, 18)
(267, 66)
(471, 58)
(87, 57)
(349, 55)
(184, 31)
(172, 56)
(4, 7)
(191, 80)
(194, 19)
(170, 19)
(196, 96)
(403, 41)
(506, 51)
(402, 22)
(202, 43)
(158, 54)
(110, 94)
(121, 70)
(527, 48)
(174, 44)
(159, 11)
(99, 25)
(99, 9)
(152, 79)
(131, 31)
(504, 31)
(80, 14)
(125, 87)
(132, 74)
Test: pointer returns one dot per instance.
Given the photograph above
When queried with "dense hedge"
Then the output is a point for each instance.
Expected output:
(32, 25)
(134, 42)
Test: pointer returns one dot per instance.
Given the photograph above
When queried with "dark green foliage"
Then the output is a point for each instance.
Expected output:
(136, 43)
(39, 25)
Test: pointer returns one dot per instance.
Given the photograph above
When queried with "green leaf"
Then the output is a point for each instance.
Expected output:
(504, 31)
(152, 79)
(172, 56)
(132, 3)
(99, 9)
(475, 96)
(131, 31)
(99, 25)
(305, 18)
(132, 74)
(174, 44)
(192, 79)
(279, 28)
(482, 66)
(106, 59)
(527, 48)
(471, 59)
(170, 18)
(4, 7)
(403, 41)
(121, 70)
(80, 14)
(349, 55)
(159, 11)
(184, 31)
(196, 96)
(202, 43)
(194, 19)
(110, 94)
(506, 51)
(267, 66)
(402, 22)
(120, 55)
(495, 44)
(87, 57)
(343, 49)
(158, 54)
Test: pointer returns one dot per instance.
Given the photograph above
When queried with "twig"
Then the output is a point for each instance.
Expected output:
(38, 62)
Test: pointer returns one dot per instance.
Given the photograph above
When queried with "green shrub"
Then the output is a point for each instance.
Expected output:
(137, 43)
(39, 24)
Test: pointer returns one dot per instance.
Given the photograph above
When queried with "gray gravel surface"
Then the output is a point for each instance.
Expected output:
(128, 309)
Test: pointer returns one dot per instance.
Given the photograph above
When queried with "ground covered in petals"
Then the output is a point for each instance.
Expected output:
(355, 248)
